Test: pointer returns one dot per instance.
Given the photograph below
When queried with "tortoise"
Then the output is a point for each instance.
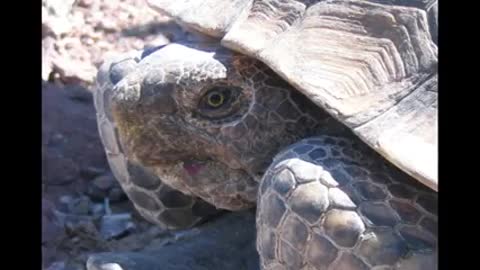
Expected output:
(321, 115)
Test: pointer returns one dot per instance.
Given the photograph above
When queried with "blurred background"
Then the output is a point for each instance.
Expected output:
(83, 208)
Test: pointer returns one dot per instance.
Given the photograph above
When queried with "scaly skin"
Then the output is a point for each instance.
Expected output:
(332, 203)
(154, 113)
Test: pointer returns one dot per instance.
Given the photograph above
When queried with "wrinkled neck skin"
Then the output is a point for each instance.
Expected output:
(218, 154)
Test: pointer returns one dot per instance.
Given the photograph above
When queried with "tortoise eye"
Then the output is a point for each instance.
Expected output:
(221, 102)
(215, 99)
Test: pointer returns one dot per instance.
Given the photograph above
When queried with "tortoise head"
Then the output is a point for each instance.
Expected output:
(208, 121)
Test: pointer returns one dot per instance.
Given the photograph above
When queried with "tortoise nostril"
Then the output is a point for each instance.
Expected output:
(159, 98)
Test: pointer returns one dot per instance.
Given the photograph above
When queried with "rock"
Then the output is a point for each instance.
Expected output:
(57, 266)
(56, 15)
(72, 221)
(48, 54)
(106, 186)
(91, 172)
(85, 3)
(226, 243)
(64, 203)
(60, 8)
(116, 225)
(74, 71)
(104, 182)
(74, 224)
(109, 25)
(79, 206)
(98, 209)
(111, 266)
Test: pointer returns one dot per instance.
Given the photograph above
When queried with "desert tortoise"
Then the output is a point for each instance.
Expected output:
(304, 109)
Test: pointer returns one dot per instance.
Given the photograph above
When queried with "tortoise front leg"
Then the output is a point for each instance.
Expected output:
(323, 204)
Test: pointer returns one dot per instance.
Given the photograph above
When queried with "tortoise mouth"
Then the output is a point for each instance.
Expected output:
(193, 167)
(212, 181)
